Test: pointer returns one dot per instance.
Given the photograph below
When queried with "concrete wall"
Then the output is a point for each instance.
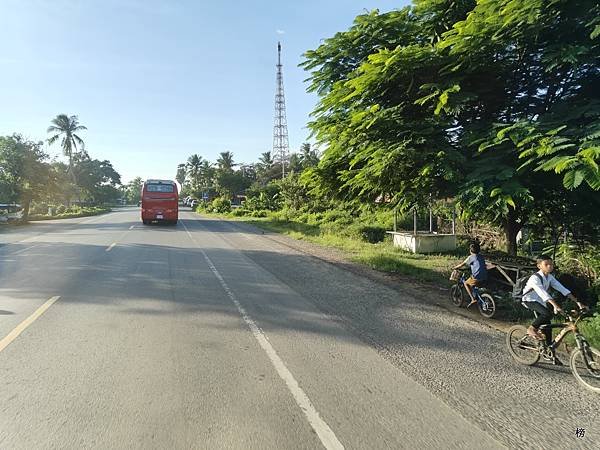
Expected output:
(424, 242)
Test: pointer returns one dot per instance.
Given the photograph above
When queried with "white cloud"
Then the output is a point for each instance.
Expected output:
(280, 32)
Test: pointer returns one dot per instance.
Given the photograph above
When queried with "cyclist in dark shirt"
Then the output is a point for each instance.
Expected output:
(478, 270)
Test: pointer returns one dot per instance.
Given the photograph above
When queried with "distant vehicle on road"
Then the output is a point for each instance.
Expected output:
(160, 202)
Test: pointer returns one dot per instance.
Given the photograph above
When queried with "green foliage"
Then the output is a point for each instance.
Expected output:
(71, 212)
(372, 234)
(220, 205)
(133, 190)
(489, 101)
(65, 128)
(229, 183)
(591, 330)
(293, 193)
(24, 173)
(97, 180)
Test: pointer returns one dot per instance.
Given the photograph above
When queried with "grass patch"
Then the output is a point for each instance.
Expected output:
(84, 212)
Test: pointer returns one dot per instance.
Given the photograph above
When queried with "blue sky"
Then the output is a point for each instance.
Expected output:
(157, 80)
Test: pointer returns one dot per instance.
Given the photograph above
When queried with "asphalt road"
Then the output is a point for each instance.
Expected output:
(210, 335)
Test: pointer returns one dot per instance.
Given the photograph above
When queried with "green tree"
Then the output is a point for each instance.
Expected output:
(267, 169)
(181, 174)
(61, 188)
(194, 167)
(65, 128)
(225, 162)
(134, 190)
(231, 183)
(486, 101)
(524, 94)
(97, 179)
(24, 172)
(293, 193)
(309, 157)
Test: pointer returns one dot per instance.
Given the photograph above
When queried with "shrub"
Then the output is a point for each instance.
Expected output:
(259, 213)
(239, 212)
(61, 209)
(372, 233)
(220, 205)
(39, 208)
(339, 216)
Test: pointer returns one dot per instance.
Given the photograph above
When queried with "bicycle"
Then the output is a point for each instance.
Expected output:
(584, 360)
(485, 301)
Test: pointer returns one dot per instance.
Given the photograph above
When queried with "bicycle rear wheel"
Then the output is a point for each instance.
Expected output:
(522, 347)
(457, 295)
(585, 365)
(487, 306)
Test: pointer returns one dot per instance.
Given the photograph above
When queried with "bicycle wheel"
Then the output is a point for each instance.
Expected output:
(522, 347)
(487, 306)
(585, 365)
(457, 295)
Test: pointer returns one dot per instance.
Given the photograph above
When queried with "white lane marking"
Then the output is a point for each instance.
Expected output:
(325, 433)
(21, 327)
(25, 249)
(132, 227)
(111, 246)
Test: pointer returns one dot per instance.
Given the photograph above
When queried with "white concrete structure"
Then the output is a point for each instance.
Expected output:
(424, 242)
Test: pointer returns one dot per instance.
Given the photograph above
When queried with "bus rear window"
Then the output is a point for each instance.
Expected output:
(159, 187)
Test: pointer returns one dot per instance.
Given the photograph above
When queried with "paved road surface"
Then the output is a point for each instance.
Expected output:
(210, 335)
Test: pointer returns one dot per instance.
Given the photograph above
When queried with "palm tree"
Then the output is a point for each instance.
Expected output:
(181, 173)
(225, 161)
(308, 156)
(194, 170)
(206, 174)
(266, 160)
(66, 127)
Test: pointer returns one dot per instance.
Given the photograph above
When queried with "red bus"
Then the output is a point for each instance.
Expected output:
(160, 202)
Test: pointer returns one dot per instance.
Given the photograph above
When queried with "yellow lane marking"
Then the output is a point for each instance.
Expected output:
(21, 327)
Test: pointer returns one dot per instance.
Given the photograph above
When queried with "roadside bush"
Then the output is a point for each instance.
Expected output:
(220, 205)
(61, 209)
(591, 329)
(259, 213)
(262, 201)
(39, 208)
(372, 233)
(339, 216)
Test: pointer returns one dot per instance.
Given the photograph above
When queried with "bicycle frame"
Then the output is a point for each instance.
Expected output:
(474, 289)
(567, 327)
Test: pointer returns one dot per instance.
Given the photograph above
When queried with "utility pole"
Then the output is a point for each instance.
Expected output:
(280, 130)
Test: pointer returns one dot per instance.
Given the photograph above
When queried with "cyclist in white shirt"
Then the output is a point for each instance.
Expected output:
(537, 298)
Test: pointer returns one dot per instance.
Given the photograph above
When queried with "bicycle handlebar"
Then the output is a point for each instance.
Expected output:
(575, 314)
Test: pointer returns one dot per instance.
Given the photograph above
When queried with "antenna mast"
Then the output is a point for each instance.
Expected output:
(280, 131)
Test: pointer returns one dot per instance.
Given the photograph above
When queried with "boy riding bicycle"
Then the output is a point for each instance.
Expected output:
(478, 270)
(536, 298)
